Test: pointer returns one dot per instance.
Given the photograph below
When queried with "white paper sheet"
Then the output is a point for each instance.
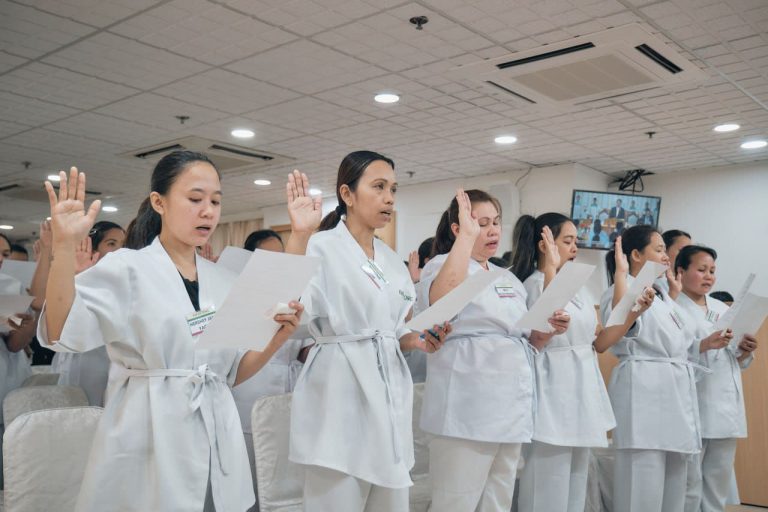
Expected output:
(455, 300)
(21, 270)
(749, 317)
(234, 258)
(566, 284)
(267, 279)
(11, 305)
(644, 279)
(726, 319)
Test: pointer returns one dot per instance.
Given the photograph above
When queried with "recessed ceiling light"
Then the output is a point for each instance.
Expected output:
(262, 183)
(754, 144)
(54, 177)
(315, 192)
(109, 209)
(728, 127)
(6, 227)
(386, 97)
(505, 139)
(243, 133)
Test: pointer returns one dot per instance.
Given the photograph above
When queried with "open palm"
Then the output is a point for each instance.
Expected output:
(551, 252)
(305, 211)
(70, 222)
(467, 220)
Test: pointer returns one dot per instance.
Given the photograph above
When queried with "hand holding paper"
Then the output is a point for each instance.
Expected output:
(644, 279)
(13, 305)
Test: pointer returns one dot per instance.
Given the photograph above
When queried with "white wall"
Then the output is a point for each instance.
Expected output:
(725, 208)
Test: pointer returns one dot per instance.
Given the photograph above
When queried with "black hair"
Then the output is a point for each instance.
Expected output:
(634, 238)
(19, 248)
(671, 235)
(499, 262)
(424, 251)
(99, 231)
(351, 170)
(722, 296)
(148, 223)
(444, 236)
(255, 239)
(687, 253)
(526, 237)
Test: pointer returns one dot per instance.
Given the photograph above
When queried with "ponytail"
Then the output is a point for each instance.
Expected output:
(332, 220)
(524, 247)
(144, 228)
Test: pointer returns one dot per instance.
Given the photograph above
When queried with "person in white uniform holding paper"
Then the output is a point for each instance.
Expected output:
(721, 397)
(573, 409)
(169, 438)
(653, 388)
(351, 408)
(479, 394)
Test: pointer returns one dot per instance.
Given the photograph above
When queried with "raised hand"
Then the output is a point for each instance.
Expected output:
(85, 258)
(622, 264)
(468, 225)
(305, 211)
(549, 248)
(70, 222)
(46, 235)
(413, 266)
(675, 282)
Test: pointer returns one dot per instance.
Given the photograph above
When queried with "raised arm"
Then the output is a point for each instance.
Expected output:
(40, 277)
(305, 212)
(70, 223)
(609, 336)
(454, 270)
(620, 276)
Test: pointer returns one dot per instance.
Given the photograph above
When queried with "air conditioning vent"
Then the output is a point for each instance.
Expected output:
(225, 156)
(606, 64)
(35, 191)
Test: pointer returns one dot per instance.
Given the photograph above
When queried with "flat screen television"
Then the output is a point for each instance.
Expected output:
(601, 216)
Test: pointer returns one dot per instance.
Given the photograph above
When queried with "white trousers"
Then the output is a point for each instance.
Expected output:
(472, 476)
(709, 476)
(327, 490)
(554, 478)
(649, 481)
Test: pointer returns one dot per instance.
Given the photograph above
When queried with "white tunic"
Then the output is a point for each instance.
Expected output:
(653, 388)
(14, 366)
(480, 385)
(573, 408)
(351, 408)
(721, 397)
(87, 370)
(170, 420)
(277, 377)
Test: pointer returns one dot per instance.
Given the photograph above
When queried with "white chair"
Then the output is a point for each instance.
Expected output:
(280, 482)
(421, 492)
(41, 379)
(44, 457)
(35, 398)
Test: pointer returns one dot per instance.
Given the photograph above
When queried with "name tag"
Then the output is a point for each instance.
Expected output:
(406, 297)
(712, 316)
(199, 320)
(505, 290)
(376, 275)
(677, 319)
(577, 302)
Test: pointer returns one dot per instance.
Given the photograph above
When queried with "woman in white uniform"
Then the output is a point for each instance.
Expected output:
(479, 394)
(653, 388)
(351, 408)
(279, 375)
(169, 438)
(90, 370)
(573, 409)
(721, 397)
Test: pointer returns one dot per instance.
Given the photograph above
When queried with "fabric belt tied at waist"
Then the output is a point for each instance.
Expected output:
(377, 337)
(202, 385)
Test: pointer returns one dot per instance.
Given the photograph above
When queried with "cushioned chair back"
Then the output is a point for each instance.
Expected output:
(41, 379)
(35, 398)
(421, 492)
(44, 458)
(280, 482)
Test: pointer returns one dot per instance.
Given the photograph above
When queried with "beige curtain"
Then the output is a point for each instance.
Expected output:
(232, 233)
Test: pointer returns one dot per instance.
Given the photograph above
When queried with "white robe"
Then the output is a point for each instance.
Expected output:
(352, 405)
(14, 366)
(653, 388)
(480, 384)
(573, 408)
(721, 397)
(161, 438)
